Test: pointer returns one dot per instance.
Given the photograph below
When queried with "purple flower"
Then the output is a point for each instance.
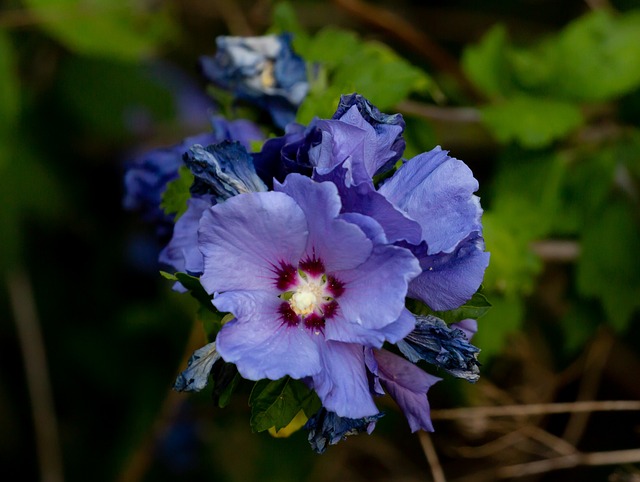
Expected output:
(406, 383)
(326, 428)
(263, 70)
(310, 289)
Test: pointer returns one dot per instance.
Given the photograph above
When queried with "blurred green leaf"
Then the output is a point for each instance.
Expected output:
(526, 192)
(110, 99)
(513, 265)
(531, 122)
(504, 318)
(486, 63)
(284, 20)
(9, 88)
(176, 195)
(376, 72)
(607, 268)
(598, 56)
(274, 403)
(117, 29)
(30, 189)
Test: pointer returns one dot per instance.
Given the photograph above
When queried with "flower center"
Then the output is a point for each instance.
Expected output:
(304, 300)
(309, 295)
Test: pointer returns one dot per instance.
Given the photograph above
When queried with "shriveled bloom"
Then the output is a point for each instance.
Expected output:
(310, 289)
(221, 171)
(263, 70)
(148, 174)
(326, 428)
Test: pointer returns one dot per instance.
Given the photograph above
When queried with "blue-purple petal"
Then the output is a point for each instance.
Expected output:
(258, 341)
(244, 238)
(448, 280)
(408, 386)
(437, 191)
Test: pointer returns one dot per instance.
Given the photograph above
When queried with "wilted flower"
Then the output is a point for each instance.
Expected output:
(221, 171)
(263, 70)
(444, 346)
(147, 176)
(326, 428)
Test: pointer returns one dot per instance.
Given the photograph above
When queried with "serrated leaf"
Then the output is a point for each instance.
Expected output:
(531, 122)
(110, 28)
(176, 195)
(274, 403)
(607, 269)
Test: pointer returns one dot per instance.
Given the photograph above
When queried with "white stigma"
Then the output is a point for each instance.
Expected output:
(306, 297)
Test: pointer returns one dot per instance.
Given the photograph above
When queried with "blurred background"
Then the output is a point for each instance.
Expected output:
(540, 98)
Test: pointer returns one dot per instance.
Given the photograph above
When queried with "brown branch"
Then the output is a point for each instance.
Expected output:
(615, 457)
(432, 457)
(466, 115)
(594, 365)
(535, 409)
(415, 39)
(39, 385)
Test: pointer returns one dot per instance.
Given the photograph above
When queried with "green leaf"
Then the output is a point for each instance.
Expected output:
(513, 266)
(371, 72)
(486, 63)
(598, 56)
(504, 318)
(475, 308)
(176, 195)
(109, 28)
(526, 192)
(607, 268)
(9, 87)
(105, 95)
(276, 403)
(285, 20)
(531, 122)
(374, 69)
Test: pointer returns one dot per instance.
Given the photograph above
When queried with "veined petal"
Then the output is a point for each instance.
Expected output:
(449, 280)
(258, 341)
(374, 292)
(341, 329)
(342, 385)
(182, 253)
(437, 191)
(244, 238)
(408, 385)
(339, 244)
